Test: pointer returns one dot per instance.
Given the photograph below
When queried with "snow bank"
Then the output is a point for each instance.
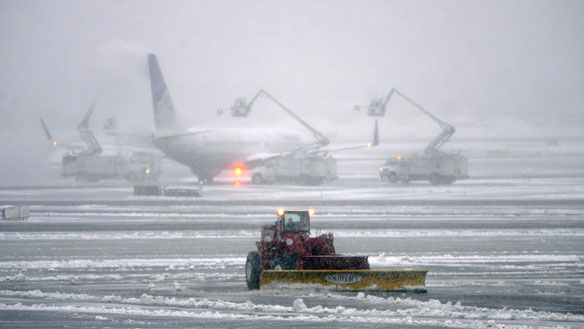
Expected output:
(402, 307)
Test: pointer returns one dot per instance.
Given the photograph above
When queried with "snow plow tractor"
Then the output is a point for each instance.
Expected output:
(287, 255)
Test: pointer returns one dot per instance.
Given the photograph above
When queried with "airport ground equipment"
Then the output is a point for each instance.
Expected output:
(241, 109)
(90, 165)
(301, 168)
(434, 165)
(288, 255)
(438, 169)
(138, 167)
(169, 191)
(15, 212)
(306, 165)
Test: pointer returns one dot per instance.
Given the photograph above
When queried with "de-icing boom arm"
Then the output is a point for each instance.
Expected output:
(93, 146)
(241, 109)
(378, 108)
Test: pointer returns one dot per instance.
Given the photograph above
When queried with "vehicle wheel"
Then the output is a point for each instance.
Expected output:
(392, 178)
(132, 177)
(435, 179)
(252, 270)
(82, 177)
(257, 179)
(405, 181)
(304, 180)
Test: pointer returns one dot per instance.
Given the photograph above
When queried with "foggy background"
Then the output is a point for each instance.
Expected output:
(491, 68)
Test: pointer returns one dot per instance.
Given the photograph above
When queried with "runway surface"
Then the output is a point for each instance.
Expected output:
(504, 249)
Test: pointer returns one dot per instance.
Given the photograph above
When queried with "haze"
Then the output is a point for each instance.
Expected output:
(491, 68)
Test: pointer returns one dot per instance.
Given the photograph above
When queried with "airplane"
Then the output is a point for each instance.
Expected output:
(209, 151)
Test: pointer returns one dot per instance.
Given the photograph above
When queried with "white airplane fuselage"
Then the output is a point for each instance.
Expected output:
(210, 151)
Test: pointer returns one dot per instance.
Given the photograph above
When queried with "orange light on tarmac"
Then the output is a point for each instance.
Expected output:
(237, 183)
(237, 171)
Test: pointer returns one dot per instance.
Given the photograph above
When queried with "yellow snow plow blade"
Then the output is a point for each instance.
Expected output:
(347, 279)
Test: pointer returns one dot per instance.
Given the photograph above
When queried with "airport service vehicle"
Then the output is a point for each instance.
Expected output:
(437, 169)
(301, 168)
(138, 167)
(287, 255)
(436, 166)
(15, 212)
(307, 165)
(169, 191)
(90, 165)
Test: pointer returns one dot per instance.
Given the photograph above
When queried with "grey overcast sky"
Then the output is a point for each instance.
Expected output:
(498, 68)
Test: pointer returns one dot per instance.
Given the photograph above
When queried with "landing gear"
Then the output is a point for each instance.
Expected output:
(205, 179)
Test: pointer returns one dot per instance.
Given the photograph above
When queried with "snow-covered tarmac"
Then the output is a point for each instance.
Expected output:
(504, 249)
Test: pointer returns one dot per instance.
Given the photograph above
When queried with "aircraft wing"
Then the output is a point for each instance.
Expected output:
(259, 158)
(373, 143)
(188, 133)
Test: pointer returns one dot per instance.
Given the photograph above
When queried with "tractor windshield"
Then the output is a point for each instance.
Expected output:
(296, 221)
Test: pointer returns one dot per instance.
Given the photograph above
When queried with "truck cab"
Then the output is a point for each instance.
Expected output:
(395, 169)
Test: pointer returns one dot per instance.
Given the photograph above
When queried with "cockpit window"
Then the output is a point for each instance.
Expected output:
(296, 222)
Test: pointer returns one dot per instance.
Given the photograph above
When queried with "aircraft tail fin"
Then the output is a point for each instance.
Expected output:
(164, 115)
(375, 135)
(46, 129)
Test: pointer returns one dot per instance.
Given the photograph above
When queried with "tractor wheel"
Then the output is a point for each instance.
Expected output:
(252, 270)
(257, 179)
(392, 178)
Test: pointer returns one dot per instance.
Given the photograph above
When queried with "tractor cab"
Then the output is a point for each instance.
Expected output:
(295, 221)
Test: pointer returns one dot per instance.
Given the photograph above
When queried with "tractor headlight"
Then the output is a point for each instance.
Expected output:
(289, 241)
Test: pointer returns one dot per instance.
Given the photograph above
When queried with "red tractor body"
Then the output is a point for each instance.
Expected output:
(288, 245)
